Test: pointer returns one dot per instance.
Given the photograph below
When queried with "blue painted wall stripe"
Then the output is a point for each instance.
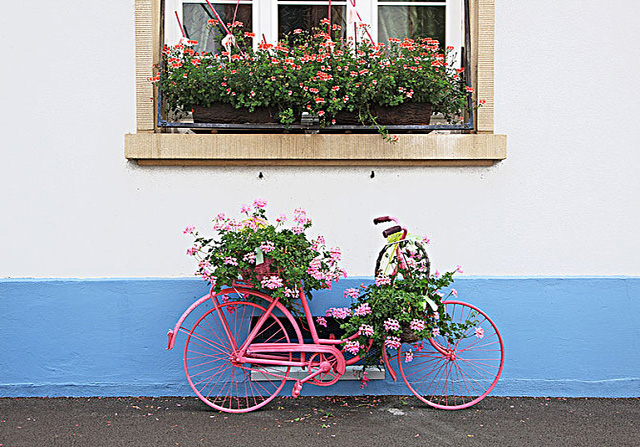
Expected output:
(571, 336)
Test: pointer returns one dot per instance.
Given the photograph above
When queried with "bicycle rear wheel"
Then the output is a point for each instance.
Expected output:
(222, 382)
(455, 374)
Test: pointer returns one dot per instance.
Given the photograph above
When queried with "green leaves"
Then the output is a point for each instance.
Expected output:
(412, 299)
(277, 259)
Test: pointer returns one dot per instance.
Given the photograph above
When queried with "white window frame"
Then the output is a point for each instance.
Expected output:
(265, 16)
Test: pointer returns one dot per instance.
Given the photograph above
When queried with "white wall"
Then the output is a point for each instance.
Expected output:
(565, 202)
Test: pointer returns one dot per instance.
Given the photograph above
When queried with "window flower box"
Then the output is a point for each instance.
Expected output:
(337, 80)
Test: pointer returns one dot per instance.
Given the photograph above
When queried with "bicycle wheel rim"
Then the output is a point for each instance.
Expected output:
(216, 380)
(465, 373)
(413, 253)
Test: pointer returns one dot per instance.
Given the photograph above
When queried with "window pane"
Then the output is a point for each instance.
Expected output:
(292, 17)
(196, 15)
(412, 22)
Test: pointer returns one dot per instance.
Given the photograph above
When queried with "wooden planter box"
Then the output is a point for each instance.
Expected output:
(410, 113)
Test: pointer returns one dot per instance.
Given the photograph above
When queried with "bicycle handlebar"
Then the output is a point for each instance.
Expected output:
(390, 231)
(383, 219)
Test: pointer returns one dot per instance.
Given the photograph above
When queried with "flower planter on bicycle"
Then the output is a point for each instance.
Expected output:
(239, 354)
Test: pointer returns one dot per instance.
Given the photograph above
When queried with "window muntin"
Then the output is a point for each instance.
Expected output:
(308, 14)
(438, 19)
(195, 18)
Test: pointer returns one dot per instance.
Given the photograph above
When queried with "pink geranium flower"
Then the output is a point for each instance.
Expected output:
(272, 282)
(230, 261)
(353, 293)
(408, 357)
(322, 321)
(392, 342)
(383, 280)
(352, 347)
(267, 246)
(391, 324)
(339, 312)
(479, 332)
(363, 382)
(259, 203)
(300, 217)
(363, 310)
(416, 325)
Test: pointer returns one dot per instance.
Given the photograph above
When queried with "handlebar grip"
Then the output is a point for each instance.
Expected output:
(383, 219)
(390, 231)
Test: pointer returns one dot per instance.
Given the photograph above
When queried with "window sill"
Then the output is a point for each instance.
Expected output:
(314, 149)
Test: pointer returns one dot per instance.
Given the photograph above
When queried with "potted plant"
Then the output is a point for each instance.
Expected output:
(320, 73)
(406, 307)
(275, 257)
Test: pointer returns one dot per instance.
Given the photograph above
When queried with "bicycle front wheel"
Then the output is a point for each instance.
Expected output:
(210, 366)
(455, 374)
(413, 254)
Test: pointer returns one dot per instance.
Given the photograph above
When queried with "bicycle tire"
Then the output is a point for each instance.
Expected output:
(390, 268)
(216, 379)
(467, 371)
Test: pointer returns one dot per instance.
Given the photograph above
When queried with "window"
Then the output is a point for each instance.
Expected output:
(149, 146)
(438, 19)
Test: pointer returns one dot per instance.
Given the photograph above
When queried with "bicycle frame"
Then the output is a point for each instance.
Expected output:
(251, 352)
(246, 353)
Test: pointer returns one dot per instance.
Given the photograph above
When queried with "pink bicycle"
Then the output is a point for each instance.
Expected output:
(239, 354)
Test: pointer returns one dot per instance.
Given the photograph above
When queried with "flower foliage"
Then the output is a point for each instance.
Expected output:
(408, 304)
(277, 258)
(319, 72)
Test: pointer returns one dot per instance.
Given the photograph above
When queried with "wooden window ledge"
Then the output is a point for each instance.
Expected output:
(314, 149)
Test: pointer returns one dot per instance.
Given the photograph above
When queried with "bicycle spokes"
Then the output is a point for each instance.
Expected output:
(454, 374)
(214, 367)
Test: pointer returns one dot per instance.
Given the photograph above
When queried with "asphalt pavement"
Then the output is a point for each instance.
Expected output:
(332, 421)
